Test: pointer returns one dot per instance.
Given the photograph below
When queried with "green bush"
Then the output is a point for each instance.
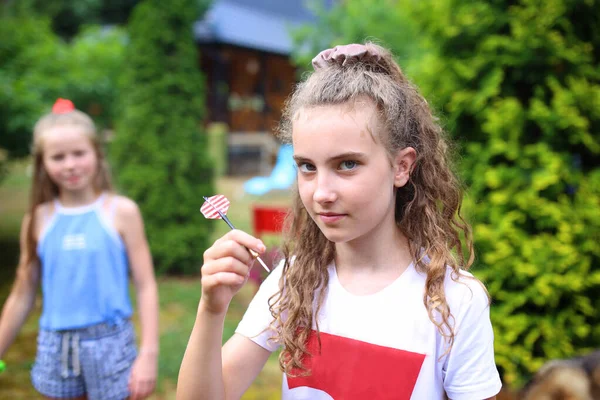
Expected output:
(518, 85)
(37, 67)
(69, 17)
(31, 62)
(159, 154)
(92, 81)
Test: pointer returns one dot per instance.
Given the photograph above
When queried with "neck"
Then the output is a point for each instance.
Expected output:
(77, 198)
(384, 251)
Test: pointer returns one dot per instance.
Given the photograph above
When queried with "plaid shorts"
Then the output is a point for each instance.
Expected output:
(94, 360)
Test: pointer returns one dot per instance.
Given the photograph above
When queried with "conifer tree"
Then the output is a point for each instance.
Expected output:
(159, 153)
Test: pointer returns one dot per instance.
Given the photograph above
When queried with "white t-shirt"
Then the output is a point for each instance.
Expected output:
(384, 346)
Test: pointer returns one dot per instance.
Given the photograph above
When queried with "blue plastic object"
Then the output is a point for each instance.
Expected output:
(282, 176)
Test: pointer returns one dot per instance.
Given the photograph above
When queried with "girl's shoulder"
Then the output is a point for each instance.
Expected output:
(120, 205)
(123, 212)
(44, 209)
(462, 287)
(40, 216)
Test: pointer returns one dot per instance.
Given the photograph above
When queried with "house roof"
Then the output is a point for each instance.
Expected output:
(256, 24)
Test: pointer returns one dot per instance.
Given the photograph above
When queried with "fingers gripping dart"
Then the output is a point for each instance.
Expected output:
(215, 207)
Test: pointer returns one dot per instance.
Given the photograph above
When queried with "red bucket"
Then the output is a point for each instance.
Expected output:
(268, 219)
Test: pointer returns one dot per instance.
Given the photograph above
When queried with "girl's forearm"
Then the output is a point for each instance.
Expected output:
(14, 314)
(148, 308)
(201, 373)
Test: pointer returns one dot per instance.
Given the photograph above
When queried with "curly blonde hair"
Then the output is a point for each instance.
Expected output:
(427, 209)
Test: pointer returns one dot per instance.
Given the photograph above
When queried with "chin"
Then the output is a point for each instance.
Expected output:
(77, 187)
(332, 235)
(337, 237)
(74, 188)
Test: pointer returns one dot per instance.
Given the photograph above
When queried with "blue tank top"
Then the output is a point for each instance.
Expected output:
(84, 268)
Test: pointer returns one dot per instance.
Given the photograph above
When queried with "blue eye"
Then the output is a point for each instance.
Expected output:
(306, 167)
(348, 165)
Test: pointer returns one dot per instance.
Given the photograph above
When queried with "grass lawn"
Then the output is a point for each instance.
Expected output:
(178, 296)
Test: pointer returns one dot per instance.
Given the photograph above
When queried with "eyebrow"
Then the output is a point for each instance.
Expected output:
(350, 154)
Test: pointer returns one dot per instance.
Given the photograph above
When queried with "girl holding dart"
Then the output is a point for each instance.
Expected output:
(81, 241)
(372, 299)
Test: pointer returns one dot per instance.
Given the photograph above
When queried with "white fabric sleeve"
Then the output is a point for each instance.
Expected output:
(470, 370)
(257, 318)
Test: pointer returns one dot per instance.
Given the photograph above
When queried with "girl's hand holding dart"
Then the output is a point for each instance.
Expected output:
(226, 268)
(216, 207)
(228, 261)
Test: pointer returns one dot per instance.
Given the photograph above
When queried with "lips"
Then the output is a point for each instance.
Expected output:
(330, 218)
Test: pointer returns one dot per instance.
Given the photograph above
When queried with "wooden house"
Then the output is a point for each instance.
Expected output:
(245, 48)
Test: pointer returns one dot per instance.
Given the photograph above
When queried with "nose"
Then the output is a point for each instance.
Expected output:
(69, 162)
(325, 191)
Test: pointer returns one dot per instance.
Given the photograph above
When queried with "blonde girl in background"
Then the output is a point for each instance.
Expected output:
(372, 299)
(81, 241)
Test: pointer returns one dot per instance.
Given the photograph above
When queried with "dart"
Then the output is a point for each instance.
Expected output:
(216, 207)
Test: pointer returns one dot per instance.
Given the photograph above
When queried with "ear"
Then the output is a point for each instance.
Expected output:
(403, 164)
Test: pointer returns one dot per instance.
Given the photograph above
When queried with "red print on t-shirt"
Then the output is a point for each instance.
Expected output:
(353, 370)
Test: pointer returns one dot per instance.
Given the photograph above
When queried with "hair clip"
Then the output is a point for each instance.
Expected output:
(62, 106)
(346, 54)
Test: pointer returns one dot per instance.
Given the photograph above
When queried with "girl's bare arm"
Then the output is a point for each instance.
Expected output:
(207, 370)
(211, 372)
(142, 272)
(145, 369)
(22, 296)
